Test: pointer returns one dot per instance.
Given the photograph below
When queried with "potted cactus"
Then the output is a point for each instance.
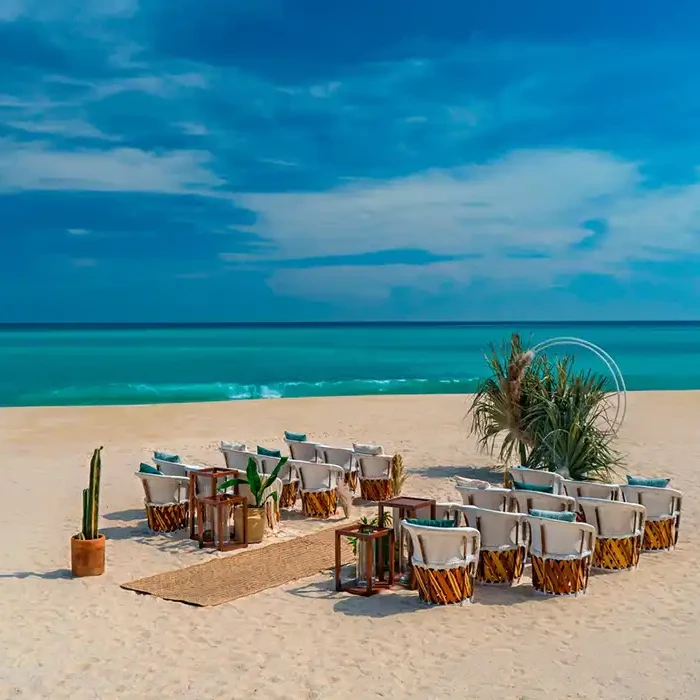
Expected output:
(87, 548)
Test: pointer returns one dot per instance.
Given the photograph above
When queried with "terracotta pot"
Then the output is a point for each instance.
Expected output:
(87, 557)
(257, 522)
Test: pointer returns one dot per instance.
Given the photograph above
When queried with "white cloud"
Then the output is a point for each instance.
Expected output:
(532, 199)
(71, 128)
(36, 167)
(78, 231)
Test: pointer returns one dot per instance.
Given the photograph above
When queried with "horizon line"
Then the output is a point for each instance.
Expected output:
(68, 325)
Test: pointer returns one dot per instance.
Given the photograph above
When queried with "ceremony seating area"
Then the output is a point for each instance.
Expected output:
(558, 529)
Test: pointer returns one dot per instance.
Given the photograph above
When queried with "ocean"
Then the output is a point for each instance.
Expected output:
(75, 366)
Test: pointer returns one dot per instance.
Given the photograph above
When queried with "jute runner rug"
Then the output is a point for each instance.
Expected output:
(251, 571)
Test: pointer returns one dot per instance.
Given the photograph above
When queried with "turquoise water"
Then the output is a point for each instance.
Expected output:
(83, 366)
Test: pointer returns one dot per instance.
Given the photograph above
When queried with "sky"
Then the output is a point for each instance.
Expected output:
(300, 160)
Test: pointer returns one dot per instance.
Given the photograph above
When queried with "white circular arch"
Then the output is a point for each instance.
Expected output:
(620, 387)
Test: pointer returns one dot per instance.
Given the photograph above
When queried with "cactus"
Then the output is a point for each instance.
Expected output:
(91, 499)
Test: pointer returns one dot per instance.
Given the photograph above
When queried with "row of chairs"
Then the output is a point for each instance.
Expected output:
(314, 470)
(491, 545)
(170, 504)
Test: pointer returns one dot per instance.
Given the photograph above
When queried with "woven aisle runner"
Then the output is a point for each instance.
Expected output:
(251, 571)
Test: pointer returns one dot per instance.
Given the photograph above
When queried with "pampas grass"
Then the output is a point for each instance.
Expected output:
(398, 475)
(345, 498)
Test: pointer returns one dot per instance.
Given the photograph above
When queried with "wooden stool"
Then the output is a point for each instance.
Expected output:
(214, 473)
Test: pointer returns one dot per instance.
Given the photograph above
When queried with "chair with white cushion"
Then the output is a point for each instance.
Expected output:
(526, 501)
(304, 451)
(444, 561)
(236, 458)
(169, 467)
(341, 457)
(489, 498)
(591, 489)
(560, 554)
(374, 472)
(504, 543)
(166, 499)
(663, 511)
(536, 477)
(318, 483)
(619, 531)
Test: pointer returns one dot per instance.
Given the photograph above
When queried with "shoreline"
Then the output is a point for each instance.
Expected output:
(246, 401)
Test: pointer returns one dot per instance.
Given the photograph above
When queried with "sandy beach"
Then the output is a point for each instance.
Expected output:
(633, 635)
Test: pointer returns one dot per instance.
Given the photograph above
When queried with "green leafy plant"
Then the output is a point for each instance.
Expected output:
(257, 485)
(91, 499)
(552, 416)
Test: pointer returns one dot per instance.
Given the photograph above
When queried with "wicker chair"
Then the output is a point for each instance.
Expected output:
(663, 510)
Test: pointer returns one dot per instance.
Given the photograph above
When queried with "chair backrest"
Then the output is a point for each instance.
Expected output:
(472, 483)
(375, 466)
(237, 459)
(442, 547)
(591, 489)
(560, 540)
(170, 468)
(304, 451)
(447, 511)
(365, 449)
(163, 490)
(612, 518)
(537, 477)
(491, 499)
(499, 530)
(660, 503)
(340, 456)
(267, 465)
(525, 501)
(317, 476)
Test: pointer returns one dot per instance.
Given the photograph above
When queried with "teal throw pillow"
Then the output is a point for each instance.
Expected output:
(431, 523)
(264, 452)
(553, 515)
(661, 483)
(540, 488)
(294, 437)
(166, 457)
(148, 469)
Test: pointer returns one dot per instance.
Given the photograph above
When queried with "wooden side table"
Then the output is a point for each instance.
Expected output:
(221, 507)
(369, 534)
(216, 474)
(406, 507)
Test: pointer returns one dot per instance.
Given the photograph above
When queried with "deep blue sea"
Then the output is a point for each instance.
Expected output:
(51, 366)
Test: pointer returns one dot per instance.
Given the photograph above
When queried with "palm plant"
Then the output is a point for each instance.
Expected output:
(257, 485)
(555, 417)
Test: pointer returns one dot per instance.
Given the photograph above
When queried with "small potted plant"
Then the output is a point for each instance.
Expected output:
(87, 548)
(258, 486)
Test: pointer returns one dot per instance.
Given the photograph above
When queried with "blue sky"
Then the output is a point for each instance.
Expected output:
(304, 160)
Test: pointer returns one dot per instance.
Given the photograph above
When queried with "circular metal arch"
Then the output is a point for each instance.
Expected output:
(620, 387)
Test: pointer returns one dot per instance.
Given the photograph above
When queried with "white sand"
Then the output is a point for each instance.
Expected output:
(634, 635)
